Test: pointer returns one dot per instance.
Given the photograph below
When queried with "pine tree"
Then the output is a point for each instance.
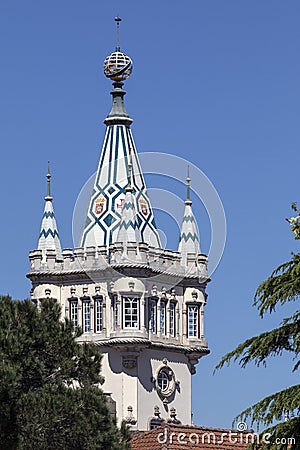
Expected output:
(281, 287)
(49, 383)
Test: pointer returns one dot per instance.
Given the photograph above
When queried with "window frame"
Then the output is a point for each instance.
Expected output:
(98, 302)
(195, 323)
(153, 308)
(72, 303)
(86, 302)
(131, 299)
(172, 322)
(163, 307)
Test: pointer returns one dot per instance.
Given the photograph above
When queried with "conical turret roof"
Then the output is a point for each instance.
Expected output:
(49, 237)
(189, 236)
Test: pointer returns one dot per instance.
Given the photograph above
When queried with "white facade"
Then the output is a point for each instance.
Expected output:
(157, 332)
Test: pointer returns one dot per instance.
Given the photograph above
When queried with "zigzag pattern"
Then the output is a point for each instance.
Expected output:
(49, 232)
(49, 237)
(188, 219)
(128, 225)
(188, 236)
(103, 222)
(189, 239)
(48, 214)
(128, 205)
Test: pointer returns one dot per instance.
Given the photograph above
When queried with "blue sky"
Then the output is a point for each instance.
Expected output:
(215, 82)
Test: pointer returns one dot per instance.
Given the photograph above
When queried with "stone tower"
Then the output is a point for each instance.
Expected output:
(141, 304)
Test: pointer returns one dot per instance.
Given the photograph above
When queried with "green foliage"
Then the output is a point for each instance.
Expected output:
(295, 222)
(49, 384)
(282, 286)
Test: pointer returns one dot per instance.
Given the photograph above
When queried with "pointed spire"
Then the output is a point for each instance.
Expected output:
(189, 238)
(106, 206)
(129, 227)
(49, 238)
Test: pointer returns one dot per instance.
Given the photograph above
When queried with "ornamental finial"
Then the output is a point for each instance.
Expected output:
(188, 188)
(49, 182)
(117, 65)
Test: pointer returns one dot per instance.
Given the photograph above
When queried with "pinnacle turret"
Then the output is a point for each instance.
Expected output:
(189, 237)
(49, 238)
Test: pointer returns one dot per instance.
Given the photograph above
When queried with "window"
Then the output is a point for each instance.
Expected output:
(165, 381)
(152, 325)
(74, 313)
(193, 321)
(172, 319)
(98, 315)
(86, 318)
(162, 380)
(131, 312)
(115, 312)
(163, 317)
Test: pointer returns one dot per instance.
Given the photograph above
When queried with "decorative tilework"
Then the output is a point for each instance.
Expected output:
(109, 191)
(49, 237)
(189, 237)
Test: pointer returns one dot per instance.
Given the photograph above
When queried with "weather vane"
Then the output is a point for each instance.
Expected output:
(118, 20)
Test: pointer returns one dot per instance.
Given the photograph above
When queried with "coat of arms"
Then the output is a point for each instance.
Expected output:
(144, 207)
(99, 205)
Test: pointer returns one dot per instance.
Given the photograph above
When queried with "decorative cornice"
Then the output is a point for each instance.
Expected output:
(203, 350)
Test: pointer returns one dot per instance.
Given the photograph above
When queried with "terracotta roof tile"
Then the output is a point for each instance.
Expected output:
(180, 437)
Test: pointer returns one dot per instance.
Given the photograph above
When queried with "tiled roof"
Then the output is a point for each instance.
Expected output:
(180, 437)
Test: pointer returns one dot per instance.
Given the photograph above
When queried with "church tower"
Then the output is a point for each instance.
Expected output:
(141, 304)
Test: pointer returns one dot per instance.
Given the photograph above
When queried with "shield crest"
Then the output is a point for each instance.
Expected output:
(99, 205)
(144, 207)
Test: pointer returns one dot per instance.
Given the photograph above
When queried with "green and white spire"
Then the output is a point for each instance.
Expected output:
(106, 205)
(49, 237)
(129, 226)
(189, 236)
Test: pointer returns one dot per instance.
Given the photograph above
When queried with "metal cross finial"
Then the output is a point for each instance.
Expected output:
(118, 20)
(49, 181)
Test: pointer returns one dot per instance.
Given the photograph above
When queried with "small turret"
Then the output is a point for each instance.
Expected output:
(129, 227)
(189, 237)
(49, 237)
